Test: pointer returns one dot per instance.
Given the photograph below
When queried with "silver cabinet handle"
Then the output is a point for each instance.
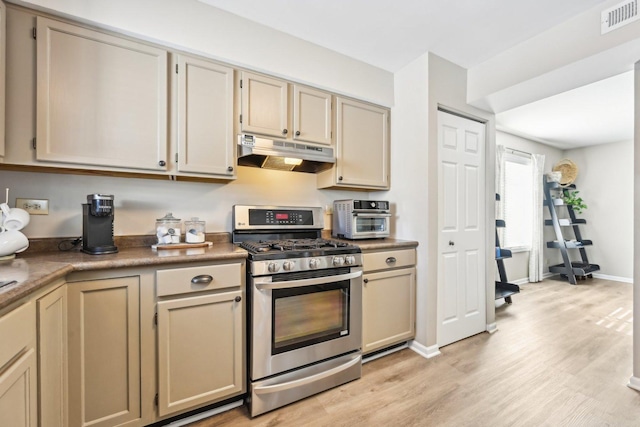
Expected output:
(203, 279)
(391, 260)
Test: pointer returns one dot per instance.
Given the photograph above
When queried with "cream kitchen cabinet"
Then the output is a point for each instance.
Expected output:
(362, 147)
(3, 44)
(200, 335)
(389, 298)
(18, 368)
(205, 142)
(275, 108)
(104, 352)
(53, 357)
(101, 100)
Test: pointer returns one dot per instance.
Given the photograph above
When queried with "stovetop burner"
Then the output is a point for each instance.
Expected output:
(291, 245)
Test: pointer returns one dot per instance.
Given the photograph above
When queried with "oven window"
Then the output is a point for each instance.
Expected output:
(309, 315)
(365, 225)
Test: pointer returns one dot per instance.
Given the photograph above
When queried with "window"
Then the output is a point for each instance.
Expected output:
(518, 205)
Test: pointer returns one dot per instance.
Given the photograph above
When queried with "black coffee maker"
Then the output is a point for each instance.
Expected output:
(97, 225)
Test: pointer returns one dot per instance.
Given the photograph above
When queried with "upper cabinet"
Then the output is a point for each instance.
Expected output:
(3, 38)
(101, 100)
(269, 108)
(362, 147)
(205, 117)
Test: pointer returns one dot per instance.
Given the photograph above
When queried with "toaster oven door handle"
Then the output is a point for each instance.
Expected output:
(266, 283)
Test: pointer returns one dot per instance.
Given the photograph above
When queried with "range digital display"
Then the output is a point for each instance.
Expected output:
(280, 217)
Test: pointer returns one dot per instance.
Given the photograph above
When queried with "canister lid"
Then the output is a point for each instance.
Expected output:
(168, 218)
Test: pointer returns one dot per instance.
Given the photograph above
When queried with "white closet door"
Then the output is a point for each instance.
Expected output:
(461, 219)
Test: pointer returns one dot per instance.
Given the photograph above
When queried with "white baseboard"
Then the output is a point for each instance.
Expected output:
(206, 414)
(492, 327)
(525, 280)
(634, 383)
(613, 278)
(424, 351)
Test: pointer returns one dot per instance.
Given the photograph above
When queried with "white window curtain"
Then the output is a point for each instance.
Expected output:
(526, 204)
(536, 256)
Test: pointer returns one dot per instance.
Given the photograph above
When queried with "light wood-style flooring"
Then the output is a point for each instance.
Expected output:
(562, 357)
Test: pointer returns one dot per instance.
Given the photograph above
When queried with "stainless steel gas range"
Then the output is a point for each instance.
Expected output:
(305, 305)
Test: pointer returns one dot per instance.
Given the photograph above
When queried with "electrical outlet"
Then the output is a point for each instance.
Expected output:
(34, 206)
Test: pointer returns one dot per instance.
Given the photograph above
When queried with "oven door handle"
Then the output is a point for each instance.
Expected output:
(372, 215)
(266, 283)
(267, 389)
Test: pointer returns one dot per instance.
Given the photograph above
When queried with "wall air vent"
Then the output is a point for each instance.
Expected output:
(619, 16)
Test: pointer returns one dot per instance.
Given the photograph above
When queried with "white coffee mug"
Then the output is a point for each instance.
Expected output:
(12, 242)
(14, 219)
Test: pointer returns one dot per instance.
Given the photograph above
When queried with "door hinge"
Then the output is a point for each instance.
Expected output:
(240, 83)
(176, 157)
(33, 143)
(240, 118)
(155, 399)
(155, 318)
(35, 33)
(176, 68)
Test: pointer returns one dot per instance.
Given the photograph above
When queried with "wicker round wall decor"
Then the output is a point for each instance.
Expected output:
(569, 171)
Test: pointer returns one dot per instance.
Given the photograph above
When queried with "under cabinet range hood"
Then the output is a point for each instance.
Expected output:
(283, 155)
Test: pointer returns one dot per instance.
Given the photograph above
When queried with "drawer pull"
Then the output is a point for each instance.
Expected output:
(203, 279)
(238, 299)
(366, 280)
(391, 260)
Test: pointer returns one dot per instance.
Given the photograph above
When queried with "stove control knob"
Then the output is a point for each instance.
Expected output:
(314, 263)
(338, 261)
(273, 267)
(289, 265)
(349, 260)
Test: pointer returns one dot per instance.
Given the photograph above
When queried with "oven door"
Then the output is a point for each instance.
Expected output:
(303, 318)
(370, 226)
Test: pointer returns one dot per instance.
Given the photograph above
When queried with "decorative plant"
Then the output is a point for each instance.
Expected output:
(572, 199)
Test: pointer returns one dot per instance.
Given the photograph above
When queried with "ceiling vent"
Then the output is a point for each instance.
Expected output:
(619, 16)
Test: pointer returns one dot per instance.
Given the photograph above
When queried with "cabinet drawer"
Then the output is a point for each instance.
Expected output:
(388, 259)
(17, 332)
(196, 279)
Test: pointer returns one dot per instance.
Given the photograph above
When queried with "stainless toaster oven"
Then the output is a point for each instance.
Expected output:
(361, 219)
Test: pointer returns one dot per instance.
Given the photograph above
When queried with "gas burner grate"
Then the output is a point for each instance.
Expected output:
(291, 245)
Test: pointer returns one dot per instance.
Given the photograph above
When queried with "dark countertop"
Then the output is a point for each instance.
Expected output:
(34, 270)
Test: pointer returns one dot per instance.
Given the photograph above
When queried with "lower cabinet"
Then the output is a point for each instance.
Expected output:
(388, 298)
(18, 368)
(104, 352)
(52, 357)
(200, 336)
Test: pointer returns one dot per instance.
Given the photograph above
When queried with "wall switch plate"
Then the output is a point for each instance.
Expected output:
(34, 206)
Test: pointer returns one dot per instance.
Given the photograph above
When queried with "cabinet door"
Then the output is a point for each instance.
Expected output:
(200, 350)
(52, 357)
(205, 118)
(101, 100)
(3, 45)
(264, 105)
(311, 115)
(104, 351)
(19, 393)
(362, 144)
(388, 308)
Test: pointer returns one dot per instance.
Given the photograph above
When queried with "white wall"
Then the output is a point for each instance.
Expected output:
(605, 182)
(409, 158)
(518, 267)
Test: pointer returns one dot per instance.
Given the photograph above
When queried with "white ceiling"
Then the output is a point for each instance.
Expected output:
(391, 34)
